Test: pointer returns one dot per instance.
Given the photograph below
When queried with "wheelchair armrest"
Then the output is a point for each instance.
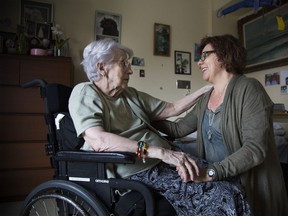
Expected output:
(103, 157)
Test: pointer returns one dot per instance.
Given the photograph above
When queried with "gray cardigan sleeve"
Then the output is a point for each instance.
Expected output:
(180, 128)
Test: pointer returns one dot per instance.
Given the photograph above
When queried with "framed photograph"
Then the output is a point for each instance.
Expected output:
(162, 39)
(265, 38)
(7, 42)
(182, 62)
(107, 25)
(136, 61)
(33, 11)
(36, 17)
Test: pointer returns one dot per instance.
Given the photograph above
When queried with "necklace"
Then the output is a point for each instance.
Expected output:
(211, 116)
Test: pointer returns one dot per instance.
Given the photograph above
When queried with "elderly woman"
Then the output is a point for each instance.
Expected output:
(114, 117)
(234, 127)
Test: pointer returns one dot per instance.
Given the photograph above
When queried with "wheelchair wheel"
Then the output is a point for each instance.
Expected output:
(63, 198)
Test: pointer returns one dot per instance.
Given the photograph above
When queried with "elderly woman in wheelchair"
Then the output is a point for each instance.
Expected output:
(111, 116)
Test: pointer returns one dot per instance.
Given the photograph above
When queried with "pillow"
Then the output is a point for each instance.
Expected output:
(66, 133)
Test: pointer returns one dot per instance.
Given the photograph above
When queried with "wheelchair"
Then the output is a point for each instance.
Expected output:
(80, 185)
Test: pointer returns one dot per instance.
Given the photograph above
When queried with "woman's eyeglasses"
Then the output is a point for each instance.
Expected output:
(125, 63)
(205, 54)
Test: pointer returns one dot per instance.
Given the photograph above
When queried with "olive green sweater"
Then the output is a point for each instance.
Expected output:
(247, 130)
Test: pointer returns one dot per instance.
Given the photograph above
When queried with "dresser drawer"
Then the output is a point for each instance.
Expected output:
(24, 155)
(14, 99)
(51, 71)
(9, 71)
(22, 128)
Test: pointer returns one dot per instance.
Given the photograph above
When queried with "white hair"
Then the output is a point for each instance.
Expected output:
(101, 51)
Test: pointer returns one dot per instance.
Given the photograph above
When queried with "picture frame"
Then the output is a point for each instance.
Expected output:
(266, 45)
(36, 18)
(162, 34)
(4, 47)
(108, 25)
(38, 12)
(136, 61)
(182, 62)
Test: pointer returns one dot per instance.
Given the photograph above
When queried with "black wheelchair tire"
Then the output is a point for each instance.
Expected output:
(68, 193)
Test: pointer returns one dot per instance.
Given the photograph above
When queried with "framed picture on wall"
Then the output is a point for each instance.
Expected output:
(36, 18)
(161, 39)
(7, 42)
(38, 12)
(182, 62)
(265, 39)
(107, 25)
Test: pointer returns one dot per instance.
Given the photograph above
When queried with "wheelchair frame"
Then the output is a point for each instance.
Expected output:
(80, 185)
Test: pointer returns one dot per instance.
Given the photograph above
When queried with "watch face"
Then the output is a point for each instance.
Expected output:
(211, 172)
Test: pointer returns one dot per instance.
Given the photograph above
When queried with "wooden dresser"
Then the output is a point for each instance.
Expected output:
(23, 163)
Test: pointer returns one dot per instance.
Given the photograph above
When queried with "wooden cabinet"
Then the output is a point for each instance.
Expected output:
(23, 163)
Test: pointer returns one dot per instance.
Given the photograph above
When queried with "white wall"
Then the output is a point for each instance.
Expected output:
(188, 22)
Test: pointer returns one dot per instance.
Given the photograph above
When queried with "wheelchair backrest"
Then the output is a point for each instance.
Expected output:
(59, 119)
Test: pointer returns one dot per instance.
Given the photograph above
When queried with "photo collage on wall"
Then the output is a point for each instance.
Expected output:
(278, 79)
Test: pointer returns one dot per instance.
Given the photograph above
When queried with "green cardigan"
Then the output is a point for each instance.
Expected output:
(247, 130)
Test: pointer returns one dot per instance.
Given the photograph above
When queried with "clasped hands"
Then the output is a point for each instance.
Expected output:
(186, 167)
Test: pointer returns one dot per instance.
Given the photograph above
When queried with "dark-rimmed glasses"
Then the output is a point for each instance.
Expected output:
(205, 54)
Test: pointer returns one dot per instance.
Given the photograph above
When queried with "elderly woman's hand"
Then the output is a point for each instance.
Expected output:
(185, 165)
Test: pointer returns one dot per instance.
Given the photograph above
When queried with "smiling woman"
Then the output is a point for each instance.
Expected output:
(234, 128)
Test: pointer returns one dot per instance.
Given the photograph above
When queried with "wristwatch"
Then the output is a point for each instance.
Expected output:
(211, 172)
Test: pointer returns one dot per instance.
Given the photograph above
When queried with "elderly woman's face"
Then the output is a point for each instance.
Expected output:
(118, 73)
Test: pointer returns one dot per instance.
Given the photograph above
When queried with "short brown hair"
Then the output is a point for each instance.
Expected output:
(229, 51)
